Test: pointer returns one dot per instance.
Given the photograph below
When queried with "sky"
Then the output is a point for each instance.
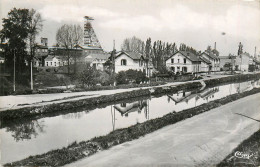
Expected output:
(196, 23)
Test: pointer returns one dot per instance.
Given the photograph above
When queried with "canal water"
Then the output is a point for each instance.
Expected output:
(20, 140)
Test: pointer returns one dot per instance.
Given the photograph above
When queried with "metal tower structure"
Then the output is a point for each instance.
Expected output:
(90, 38)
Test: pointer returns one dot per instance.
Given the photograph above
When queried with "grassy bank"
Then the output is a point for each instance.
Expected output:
(250, 147)
(83, 149)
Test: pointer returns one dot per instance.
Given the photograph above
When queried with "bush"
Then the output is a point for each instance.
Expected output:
(121, 78)
(132, 76)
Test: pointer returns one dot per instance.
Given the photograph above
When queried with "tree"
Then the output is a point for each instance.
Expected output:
(19, 30)
(89, 76)
(133, 44)
(34, 27)
(15, 32)
(69, 36)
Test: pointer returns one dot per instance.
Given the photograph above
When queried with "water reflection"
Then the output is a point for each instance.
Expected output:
(26, 130)
(41, 135)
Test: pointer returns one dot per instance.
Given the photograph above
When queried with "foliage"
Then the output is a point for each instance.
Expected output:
(69, 36)
(121, 78)
(89, 76)
(15, 31)
(133, 44)
(133, 76)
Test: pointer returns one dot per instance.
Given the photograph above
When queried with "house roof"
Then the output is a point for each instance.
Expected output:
(188, 55)
(211, 55)
(89, 47)
(50, 58)
(132, 55)
(41, 46)
(205, 60)
(94, 56)
(227, 57)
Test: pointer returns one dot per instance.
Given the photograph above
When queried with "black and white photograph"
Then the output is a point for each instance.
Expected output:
(130, 83)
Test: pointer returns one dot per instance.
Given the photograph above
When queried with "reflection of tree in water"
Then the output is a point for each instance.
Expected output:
(76, 115)
(26, 130)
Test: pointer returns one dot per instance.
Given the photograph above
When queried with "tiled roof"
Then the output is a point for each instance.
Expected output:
(132, 55)
(211, 55)
(190, 55)
(49, 58)
(205, 60)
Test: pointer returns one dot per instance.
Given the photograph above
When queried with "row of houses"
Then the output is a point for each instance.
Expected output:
(179, 62)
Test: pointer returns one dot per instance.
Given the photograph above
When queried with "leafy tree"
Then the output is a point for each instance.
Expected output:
(133, 44)
(121, 78)
(89, 76)
(15, 32)
(69, 36)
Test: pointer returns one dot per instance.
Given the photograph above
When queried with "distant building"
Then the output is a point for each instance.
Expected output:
(41, 52)
(97, 60)
(183, 61)
(243, 61)
(214, 60)
(226, 61)
(55, 61)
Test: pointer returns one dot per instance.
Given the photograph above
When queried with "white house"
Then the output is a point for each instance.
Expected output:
(243, 61)
(214, 60)
(183, 61)
(205, 64)
(97, 60)
(54, 61)
(130, 60)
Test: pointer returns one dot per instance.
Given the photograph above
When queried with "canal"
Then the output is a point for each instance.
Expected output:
(22, 139)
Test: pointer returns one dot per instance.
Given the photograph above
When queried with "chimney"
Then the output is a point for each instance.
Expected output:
(44, 41)
(215, 46)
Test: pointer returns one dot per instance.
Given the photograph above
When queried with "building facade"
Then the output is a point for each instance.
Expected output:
(185, 62)
(130, 60)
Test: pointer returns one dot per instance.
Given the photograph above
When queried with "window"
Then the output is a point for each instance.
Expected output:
(123, 104)
(178, 60)
(123, 62)
(54, 63)
(184, 60)
(51, 63)
(172, 61)
(184, 69)
(173, 69)
(46, 63)
(178, 68)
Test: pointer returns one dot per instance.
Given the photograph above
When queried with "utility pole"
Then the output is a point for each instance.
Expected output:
(14, 70)
(31, 75)
(113, 57)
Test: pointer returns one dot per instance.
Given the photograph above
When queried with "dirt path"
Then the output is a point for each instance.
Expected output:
(203, 140)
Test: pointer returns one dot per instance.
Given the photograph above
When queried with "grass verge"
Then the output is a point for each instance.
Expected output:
(246, 154)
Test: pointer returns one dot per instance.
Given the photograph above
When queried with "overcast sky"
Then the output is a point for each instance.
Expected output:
(196, 23)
